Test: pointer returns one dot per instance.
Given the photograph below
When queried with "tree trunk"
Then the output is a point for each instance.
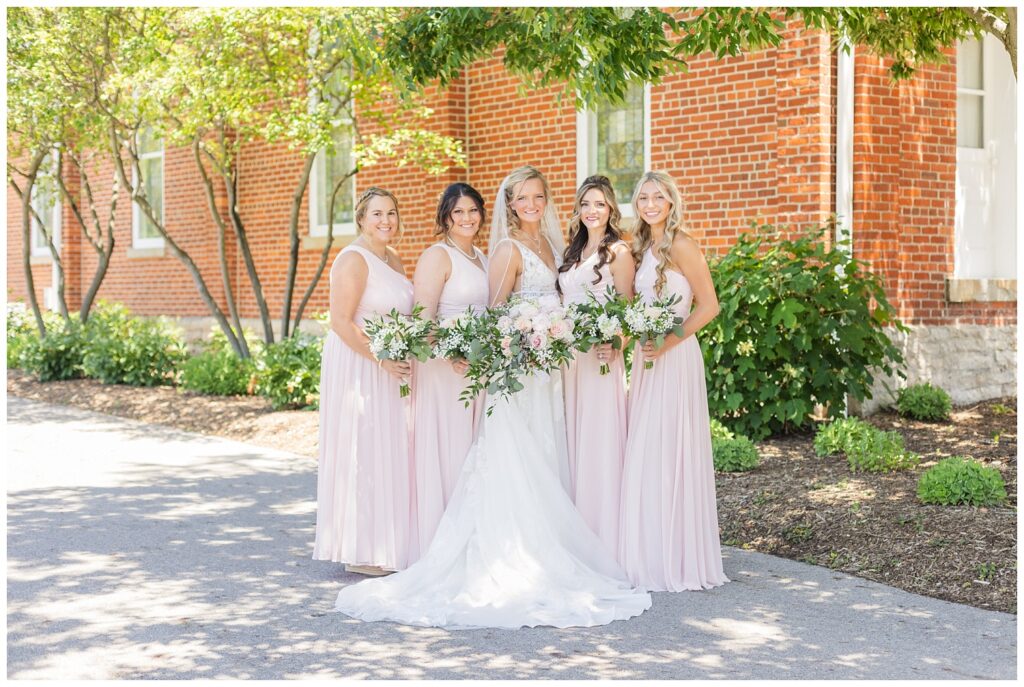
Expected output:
(26, 236)
(326, 251)
(293, 252)
(231, 183)
(185, 258)
(221, 250)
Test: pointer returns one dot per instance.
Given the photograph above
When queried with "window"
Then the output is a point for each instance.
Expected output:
(329, 168)
(46, 203)
(151, 162)
(614, 140)
(970, 94)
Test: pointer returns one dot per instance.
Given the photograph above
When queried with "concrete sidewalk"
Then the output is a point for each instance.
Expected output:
(137, 551)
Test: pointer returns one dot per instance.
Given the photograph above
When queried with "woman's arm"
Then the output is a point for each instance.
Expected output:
(502, 271)
(432, 272)
(687, 256)
(623, 269)
(348, 282)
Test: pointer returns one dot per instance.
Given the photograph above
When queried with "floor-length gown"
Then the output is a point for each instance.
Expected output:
(365, 494)
(511, 550)
(668, 535)
(595, 416)
(443, 426)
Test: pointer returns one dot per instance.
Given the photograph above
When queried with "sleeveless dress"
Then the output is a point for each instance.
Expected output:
(595, 416)
(443, 427)
(511, 550)
(364, 478)
(668, 535)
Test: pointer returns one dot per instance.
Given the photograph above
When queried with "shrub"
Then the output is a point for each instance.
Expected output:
(836, 436)
(219, 372)
(121, 349)
(796, 329)
(924, 402)
(958, 480)
(736, 454)
(720, 431)
(878, 451)
(20, 328)
(58, 355)
(288, 372)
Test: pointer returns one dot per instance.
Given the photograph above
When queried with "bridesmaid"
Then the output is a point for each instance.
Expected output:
(668, 539)
(595, 404)
(451, 277)
(364, 486)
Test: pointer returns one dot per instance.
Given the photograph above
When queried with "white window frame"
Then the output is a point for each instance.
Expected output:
(39, 249)
(317, 224)
(149, 241)
(978, 92)
(586, 133)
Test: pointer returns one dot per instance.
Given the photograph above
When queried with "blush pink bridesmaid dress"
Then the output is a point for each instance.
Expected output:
(443, 427)
(668, 537)
(365, 495)
(595, 417)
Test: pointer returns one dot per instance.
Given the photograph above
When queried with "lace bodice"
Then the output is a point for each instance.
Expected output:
(537, 278)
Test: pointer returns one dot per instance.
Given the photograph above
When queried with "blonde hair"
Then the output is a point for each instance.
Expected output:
(516, 178)
(674, 225)
(364, 201)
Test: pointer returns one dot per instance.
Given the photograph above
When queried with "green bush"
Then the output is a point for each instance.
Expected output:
(20, 327)
(288, 372)
(958, 480)
(736, 454)
(924, 402)
(796, 329)
(219, 372)
(720, 431)
(836, 436)
(121, 349)
(878, 451)
(58, 355)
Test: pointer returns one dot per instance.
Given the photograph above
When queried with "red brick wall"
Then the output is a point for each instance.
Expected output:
(747, 138)
(904, 190)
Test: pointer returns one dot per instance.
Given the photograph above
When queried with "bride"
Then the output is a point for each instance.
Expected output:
(511, 550)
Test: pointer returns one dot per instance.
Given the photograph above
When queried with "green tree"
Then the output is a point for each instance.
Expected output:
(595, 53)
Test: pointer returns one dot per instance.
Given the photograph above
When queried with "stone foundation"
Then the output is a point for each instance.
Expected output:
(971, 362)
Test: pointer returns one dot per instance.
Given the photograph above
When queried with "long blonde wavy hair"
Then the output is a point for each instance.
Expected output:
(674, 225)
(504, 221)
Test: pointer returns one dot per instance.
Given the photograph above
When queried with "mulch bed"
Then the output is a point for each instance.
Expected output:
(794, 504)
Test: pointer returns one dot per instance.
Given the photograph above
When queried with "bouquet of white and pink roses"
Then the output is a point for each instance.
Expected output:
(600, 322)
(397, 337)
(647, 321)
(521, 337)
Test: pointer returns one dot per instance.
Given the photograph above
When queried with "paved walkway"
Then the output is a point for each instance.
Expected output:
(137, 551)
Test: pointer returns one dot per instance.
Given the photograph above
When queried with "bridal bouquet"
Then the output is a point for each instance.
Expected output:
(600, 323)
(397, 337)
(646, 321)
(519, 338)
(454, 336)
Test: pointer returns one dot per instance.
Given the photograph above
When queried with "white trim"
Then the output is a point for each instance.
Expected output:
(149, 241)
(41, 251)
(844, 145)
(586, 141)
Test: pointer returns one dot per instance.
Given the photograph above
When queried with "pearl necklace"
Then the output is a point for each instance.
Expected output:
(471, 258)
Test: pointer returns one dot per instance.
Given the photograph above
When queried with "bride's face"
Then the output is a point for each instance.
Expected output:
(529, 201)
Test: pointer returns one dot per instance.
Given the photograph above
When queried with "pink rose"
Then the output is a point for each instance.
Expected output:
(559, 329)
(538, 340)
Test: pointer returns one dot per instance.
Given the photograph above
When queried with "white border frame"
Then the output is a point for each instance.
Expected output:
(150, 241)
(585, 133)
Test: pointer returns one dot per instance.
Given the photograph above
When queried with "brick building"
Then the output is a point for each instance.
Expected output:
(922, 175)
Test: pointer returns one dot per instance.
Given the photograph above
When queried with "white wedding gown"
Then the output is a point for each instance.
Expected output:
(511, 549)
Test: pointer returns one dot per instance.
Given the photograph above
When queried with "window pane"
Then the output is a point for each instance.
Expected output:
(969, 65)
(969, 130)
(334, 168)
(153, 178)
(619, 151)
(44, 200)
